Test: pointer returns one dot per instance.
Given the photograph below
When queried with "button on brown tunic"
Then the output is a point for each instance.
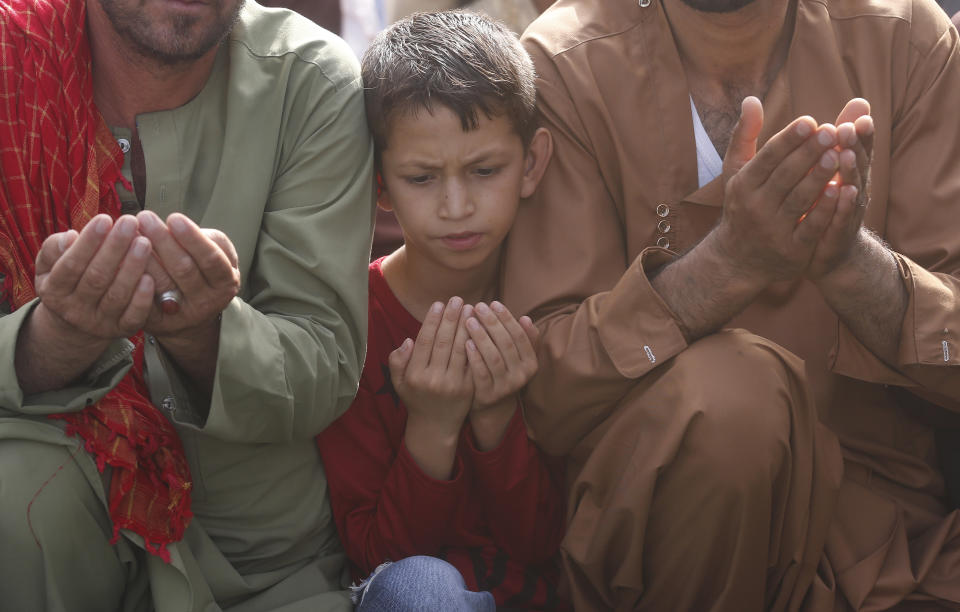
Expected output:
(699, 479)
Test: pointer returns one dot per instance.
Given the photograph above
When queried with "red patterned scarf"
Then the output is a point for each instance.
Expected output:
(59, 167)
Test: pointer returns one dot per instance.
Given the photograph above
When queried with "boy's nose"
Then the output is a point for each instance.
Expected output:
(456, 201)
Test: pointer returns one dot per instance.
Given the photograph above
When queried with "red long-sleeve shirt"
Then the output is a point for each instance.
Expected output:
(499, 520)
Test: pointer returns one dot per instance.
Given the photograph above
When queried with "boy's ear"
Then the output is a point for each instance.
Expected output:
(383, 196)
(535, 164)
(383, 201)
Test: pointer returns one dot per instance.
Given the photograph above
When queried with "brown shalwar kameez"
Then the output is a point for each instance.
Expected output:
(699, 478)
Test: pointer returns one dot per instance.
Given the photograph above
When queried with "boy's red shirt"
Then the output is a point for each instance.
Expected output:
(499, 520)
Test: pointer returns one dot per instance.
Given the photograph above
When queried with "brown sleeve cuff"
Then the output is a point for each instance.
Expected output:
(636, 328)
(928, 336)
(931, 327)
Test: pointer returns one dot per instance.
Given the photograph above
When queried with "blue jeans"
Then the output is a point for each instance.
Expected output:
(419, 583)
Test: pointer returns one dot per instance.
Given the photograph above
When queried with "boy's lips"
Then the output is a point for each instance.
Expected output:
(462, 240)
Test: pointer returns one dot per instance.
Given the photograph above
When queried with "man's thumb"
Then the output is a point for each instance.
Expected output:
(743, 141)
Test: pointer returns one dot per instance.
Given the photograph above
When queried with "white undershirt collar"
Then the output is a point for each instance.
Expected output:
(709, 164)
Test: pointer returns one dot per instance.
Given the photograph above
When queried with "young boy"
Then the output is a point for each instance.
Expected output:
(433, 458)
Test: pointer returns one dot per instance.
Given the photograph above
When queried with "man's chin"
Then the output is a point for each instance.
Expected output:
(717, 6)
(171, 34)
(171, 52)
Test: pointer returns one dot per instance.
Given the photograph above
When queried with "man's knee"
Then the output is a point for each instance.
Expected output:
(42, 488)
(742, 393)
(50, 519)
(725, 406)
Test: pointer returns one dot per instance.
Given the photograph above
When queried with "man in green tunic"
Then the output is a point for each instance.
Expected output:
(247, 120)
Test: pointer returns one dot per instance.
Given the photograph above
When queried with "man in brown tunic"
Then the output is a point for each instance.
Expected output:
(699, 476)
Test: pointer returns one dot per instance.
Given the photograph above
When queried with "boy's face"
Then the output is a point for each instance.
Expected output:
(455, 193)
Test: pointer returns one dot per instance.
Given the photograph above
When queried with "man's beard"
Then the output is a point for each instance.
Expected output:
(174, 42)
(717, 6)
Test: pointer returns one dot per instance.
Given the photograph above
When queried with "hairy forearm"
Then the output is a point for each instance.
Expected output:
(704, 290)
(868, 295)
(49, 356)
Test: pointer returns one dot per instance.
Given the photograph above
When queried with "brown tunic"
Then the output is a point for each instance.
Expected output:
(623, 183)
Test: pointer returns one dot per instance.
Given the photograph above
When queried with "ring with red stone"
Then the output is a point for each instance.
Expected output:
(170, 301)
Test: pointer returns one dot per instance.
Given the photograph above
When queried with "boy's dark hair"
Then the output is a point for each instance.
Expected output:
(464, 61)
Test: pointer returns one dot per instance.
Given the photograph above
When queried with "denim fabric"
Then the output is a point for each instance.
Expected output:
(419, 583)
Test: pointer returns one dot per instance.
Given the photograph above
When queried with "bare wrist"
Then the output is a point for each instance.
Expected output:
(720, 253)
(196, 352)
(851, 267)
(489, 424)
(443, 433)
(194, 338)
(48, 325)
(51, 353)
(432, 445)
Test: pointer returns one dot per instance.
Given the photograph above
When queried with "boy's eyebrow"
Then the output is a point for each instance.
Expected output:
(491, 151)
(427, 163)
(419, 164)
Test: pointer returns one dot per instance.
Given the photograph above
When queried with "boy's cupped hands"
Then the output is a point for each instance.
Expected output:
(466, 361)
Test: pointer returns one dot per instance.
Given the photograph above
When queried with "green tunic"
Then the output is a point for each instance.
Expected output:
(274, 152)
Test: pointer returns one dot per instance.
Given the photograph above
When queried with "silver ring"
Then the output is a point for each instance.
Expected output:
(170, 301)
(173, 295)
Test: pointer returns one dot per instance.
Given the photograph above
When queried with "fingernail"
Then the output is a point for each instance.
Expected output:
(141, 246)
(148, 221)
(62, 242)
(829, 160)
(803, 129)
(471, 346)
(825, 138)
(177, 225)
(101, 225)
(830, 191)
(497, 306)
(456, 302)
(482, 308)
(126, 226)
(473, 324)
(437, 308)
(406, 344)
